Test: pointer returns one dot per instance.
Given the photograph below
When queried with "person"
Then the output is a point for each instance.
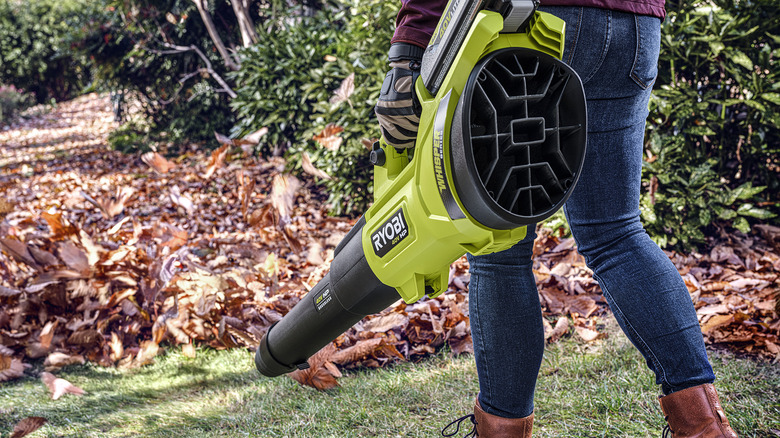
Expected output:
(613, 45)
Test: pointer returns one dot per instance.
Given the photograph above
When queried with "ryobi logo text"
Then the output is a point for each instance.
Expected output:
(390, 233)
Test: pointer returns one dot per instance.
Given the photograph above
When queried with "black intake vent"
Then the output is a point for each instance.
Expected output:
(518, 138)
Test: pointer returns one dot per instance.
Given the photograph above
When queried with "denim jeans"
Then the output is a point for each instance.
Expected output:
(616, 56)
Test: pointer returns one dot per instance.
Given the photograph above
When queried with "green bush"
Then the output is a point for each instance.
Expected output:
(12, 100)
(275, 85)
(288, 86)
(713, 141)
(34, 51)
(126, 45)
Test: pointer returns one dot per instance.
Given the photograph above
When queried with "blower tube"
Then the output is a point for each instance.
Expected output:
(349, 292)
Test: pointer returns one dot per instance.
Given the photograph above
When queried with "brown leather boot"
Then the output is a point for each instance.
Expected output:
(696, 413)
(492, 426)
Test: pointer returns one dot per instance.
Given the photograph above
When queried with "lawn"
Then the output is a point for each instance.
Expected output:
(601, 389)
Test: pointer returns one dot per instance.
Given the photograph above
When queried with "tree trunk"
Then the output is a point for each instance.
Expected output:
(245, 22)
(204, 14)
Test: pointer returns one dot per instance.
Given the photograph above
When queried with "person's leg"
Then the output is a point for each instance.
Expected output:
(643, 288)
(615, 55)
(506, 327)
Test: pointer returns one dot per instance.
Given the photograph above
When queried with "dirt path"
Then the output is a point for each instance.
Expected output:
(76, 130)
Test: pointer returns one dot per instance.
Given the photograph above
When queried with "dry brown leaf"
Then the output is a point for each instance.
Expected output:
(146, 354)
(319, 374)
(6, 207)
(357, 352)
(345, 90)
(461, 345)
(587, 334)
(716, 321)
(86, 338)
(216, 161)
(309, 168)
(112, 205)
(157, 162)
(381, 324)
(117, 347)
(59, 360)
(320, 378)
(188, 350)
(283, 195)
(246, 185)
(10, 367)
(181, 200)
(170, 235)
(73, 256)
(27, 426)
(333, 369)
(8, 291)
(561, 328)
(329, 137)
(59, 387)
(18, 250)
(47, 334)
(60, 227)
(223, 139)
(254, 138)
(583, 305)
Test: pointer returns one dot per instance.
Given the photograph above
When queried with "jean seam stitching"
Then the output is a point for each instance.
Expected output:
(633, 75)
(482, 342)
(647, 348)
(576, 36)
(604, 50)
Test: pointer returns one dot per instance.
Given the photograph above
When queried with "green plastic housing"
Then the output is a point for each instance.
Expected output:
(413, 251)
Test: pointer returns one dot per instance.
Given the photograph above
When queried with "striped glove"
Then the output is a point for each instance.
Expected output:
(397, 111)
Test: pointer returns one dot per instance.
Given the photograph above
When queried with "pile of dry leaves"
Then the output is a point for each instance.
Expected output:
(109, 258)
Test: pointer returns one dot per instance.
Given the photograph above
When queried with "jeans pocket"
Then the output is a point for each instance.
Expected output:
(648, 46)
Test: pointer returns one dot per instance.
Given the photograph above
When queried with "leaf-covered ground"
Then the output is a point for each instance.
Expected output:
(108, 258)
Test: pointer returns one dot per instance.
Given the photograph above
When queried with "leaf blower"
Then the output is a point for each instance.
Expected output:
(500, 145)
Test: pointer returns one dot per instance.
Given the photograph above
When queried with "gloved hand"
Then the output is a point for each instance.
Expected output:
(397, 112)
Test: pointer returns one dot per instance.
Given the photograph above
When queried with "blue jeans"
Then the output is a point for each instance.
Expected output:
(616, 56)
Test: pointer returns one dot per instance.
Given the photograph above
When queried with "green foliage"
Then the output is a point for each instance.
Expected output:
(130, 45)
(130, 137)
(12, 100)
(713, 133)
(274, 84)
(34, 51)
(288, 86)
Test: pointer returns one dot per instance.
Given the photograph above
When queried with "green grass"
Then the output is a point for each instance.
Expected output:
(595, 390)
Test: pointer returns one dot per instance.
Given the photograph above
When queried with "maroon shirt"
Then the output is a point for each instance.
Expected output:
(418, 18)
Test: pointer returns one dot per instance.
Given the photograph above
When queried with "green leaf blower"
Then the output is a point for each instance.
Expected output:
(500, 145)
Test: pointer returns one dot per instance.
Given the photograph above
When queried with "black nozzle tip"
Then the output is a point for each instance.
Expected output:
(265, 361)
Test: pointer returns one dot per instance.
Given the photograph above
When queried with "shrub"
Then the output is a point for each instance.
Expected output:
(713, 141)
(288, 86)
(180, 102)
(34, 50)
(275, 85)
(13, 100)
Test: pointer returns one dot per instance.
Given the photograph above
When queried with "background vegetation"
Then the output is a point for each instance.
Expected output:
(713, 152)
(712, 141)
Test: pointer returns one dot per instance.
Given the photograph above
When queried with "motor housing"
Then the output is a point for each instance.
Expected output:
(517, 138)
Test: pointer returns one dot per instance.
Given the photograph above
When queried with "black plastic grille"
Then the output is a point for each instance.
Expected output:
(523, 127)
